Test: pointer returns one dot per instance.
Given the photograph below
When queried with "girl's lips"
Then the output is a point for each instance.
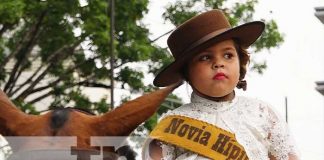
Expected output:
(219, 76)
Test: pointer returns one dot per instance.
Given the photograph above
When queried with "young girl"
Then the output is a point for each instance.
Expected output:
(211, 56)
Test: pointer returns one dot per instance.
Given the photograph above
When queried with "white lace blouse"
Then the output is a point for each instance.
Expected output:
(256, 126)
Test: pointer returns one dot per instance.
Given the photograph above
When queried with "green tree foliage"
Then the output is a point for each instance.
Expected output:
(54, 48)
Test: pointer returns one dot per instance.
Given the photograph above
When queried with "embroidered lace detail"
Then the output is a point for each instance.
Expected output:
(256, 127)
(171, 152)
(203, 109)
(167, 152)
(281, 141)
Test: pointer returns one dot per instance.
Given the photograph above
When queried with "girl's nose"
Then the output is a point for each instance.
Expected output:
(217, 65)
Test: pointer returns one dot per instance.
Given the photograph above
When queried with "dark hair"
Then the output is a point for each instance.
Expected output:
(244, 59)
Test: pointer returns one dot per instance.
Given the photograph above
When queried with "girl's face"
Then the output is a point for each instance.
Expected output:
(215, 71)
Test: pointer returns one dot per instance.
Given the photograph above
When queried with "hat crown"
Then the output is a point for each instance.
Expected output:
(196, 28)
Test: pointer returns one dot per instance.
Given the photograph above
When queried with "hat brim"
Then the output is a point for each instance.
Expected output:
(245, 34)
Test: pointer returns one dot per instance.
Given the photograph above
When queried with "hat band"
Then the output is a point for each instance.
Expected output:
(202, 40)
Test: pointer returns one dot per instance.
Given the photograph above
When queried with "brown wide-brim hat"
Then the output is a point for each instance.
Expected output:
(199, 33)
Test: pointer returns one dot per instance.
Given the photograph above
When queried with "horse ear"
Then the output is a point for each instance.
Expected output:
(125, 118)
(10, 115)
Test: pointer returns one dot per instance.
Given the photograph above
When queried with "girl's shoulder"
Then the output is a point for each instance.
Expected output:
(259, 107)
(253, 103)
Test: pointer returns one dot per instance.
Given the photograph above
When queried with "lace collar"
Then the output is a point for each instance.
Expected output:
(217, 106)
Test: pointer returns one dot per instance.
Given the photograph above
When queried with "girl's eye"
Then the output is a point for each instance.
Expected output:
(228, 55)
(204, 58)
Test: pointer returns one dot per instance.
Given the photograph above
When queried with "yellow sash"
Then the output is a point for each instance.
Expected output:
(200, 137)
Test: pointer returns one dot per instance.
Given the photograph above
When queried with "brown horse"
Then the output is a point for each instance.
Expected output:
(71, 122)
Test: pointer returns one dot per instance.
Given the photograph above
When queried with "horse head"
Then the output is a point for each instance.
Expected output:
(71, 122)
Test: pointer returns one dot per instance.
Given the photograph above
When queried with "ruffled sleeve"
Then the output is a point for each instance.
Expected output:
(281, 142)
